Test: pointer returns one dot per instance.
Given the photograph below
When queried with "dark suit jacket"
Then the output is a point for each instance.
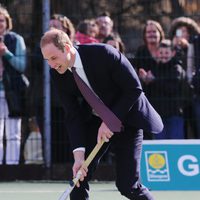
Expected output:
(114, 80)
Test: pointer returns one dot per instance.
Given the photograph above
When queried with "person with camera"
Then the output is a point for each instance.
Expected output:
(181, 32)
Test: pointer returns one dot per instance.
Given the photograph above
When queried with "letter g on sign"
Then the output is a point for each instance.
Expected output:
(192, 168)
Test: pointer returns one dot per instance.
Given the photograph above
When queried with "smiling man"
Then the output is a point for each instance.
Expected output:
(111, 77)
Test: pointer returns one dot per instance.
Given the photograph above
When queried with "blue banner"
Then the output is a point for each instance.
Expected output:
(171, 164)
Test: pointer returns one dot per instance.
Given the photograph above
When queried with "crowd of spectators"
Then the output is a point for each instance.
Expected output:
(167, 64)
(169, 82)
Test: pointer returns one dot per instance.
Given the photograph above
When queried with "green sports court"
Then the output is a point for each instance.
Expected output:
(99, 191)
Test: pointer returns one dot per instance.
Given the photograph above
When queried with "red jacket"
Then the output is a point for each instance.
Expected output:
(84, 39)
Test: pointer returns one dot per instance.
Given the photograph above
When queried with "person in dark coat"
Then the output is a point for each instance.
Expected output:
(109, 74)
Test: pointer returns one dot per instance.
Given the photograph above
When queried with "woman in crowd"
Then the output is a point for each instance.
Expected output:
(145, 57)
(12, 64)
(146, 54)
(181, 31)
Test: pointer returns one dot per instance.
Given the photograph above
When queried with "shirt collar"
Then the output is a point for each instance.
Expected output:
(78, 63)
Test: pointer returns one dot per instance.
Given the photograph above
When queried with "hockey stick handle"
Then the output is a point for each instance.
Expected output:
(88, 160)
(86, 163)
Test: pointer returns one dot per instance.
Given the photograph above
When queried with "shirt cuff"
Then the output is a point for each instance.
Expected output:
(79, 149)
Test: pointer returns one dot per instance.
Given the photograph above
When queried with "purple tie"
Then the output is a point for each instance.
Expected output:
(107, 116)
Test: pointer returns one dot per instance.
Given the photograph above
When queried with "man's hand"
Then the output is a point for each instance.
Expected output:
(104, 133)
(79, 158)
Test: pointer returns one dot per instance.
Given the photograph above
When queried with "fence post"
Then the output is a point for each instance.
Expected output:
(47, 92)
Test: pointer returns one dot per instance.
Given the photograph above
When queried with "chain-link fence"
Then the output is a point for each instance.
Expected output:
(129, 19)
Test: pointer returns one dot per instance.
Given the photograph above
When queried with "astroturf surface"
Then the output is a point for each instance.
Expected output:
(48, 190)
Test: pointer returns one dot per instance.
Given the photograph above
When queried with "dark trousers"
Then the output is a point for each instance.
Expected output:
(127, 147)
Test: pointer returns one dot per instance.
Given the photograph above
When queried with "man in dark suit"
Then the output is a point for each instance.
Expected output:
(112, 78)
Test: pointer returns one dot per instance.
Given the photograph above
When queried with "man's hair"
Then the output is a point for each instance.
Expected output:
(57, 37)
(4, 12)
